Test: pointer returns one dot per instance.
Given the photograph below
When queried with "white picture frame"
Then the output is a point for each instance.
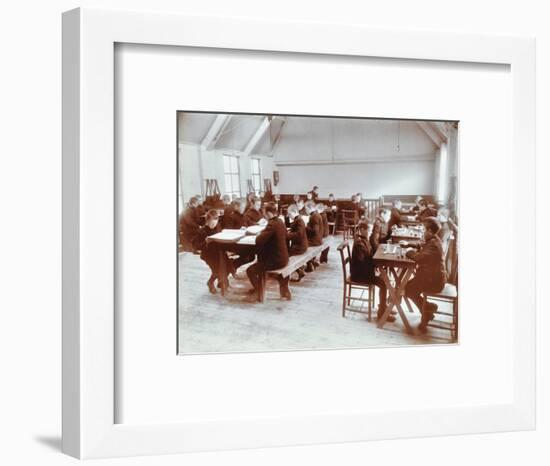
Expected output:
(89, 38)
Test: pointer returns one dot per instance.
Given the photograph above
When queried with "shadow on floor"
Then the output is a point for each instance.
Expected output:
(52, 442)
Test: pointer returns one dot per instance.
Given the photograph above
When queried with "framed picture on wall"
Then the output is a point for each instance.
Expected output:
(210, 304)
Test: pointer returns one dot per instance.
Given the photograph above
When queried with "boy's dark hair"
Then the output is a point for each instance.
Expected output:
(212, 214)
(271, 207)
(432, 224)
(364, 224)
(423, 203)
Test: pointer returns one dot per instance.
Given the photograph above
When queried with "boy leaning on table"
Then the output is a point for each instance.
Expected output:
(430, 275)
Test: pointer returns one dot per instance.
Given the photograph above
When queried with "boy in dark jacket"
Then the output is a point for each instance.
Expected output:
(362, 266)
(314, 231)
(332, 208)
(254, 214)
(297, 238)
(272, 252)
(209, 251)
(189, 225)
(324, 223)
(430, 274)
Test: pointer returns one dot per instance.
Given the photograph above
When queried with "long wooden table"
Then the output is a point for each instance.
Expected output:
(391, 262)
(227, 240)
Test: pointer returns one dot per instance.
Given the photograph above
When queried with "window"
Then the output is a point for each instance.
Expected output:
(256, 174)
(231, 175)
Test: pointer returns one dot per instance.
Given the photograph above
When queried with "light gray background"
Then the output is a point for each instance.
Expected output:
(30, 237)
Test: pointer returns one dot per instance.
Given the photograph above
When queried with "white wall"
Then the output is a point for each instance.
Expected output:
(345, 156)
(372, 179)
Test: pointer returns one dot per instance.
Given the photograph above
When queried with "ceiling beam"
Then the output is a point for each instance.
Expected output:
(432, 132)
(215, 130)
(277, 138)
(264, 125)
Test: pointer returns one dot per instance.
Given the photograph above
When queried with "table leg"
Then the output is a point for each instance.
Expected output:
(395, 295)
(222, 270)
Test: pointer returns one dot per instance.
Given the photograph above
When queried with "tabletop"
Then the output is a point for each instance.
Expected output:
(392, 255)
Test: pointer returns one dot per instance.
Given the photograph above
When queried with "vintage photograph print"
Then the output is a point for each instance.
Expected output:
(315, 232)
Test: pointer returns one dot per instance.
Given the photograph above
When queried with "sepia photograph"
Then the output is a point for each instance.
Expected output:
(304, 232)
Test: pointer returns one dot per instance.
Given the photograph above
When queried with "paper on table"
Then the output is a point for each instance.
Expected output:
(254, 229)
(250, 239)
(228, 235)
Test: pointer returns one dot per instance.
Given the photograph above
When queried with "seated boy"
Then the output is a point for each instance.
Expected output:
(331, 209)
(395, 217)
(430, 274)
(189, 224)
(314, 231)
(362, 266)
(227, 210)
(380, 228)
(272, 252)
(424, 211)
(297, 236)
(324, 224)
(254, 213)
(209, 251)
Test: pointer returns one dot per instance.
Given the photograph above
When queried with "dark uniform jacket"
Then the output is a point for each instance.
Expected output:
(314, 229)
(324, 218)
(209, 252)
(395, 219)
(427, 212)
(331, 214)
(252, 217)
(430, 265)
(379, 233)
(297, 237)
(271, 244)
(188, 227)
(227, 211)
(235, 220)
(362, 266)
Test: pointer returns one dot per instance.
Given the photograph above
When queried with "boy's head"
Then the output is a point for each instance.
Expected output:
(422, 204)
(212, 217)
(432, 226)
(193, 202)
(239, 205)
(310, 207)
(364, 228)
(293, 211)
(331, 197)
(256, 203)
(296, 198)
(397, 204)
(300, 204)
(309, 196)
(226, 199)
(418, 199)
(384, 214)
(315, 189)
(199, 199)
(270, 210)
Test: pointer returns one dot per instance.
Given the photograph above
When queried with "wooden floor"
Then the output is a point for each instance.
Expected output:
(311, 320)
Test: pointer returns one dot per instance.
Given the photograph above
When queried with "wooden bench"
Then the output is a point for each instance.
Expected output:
(294, 263)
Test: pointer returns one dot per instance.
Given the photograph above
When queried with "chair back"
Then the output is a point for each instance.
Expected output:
(345, 257)
(371, 208)
(451, 262)
(349, 217)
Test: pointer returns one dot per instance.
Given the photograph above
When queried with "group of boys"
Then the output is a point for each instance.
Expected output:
(430, 273)
(279, 240)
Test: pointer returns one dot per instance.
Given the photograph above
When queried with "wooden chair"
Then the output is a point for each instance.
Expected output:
(350, 219)
(349, 285)
(449, 294)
